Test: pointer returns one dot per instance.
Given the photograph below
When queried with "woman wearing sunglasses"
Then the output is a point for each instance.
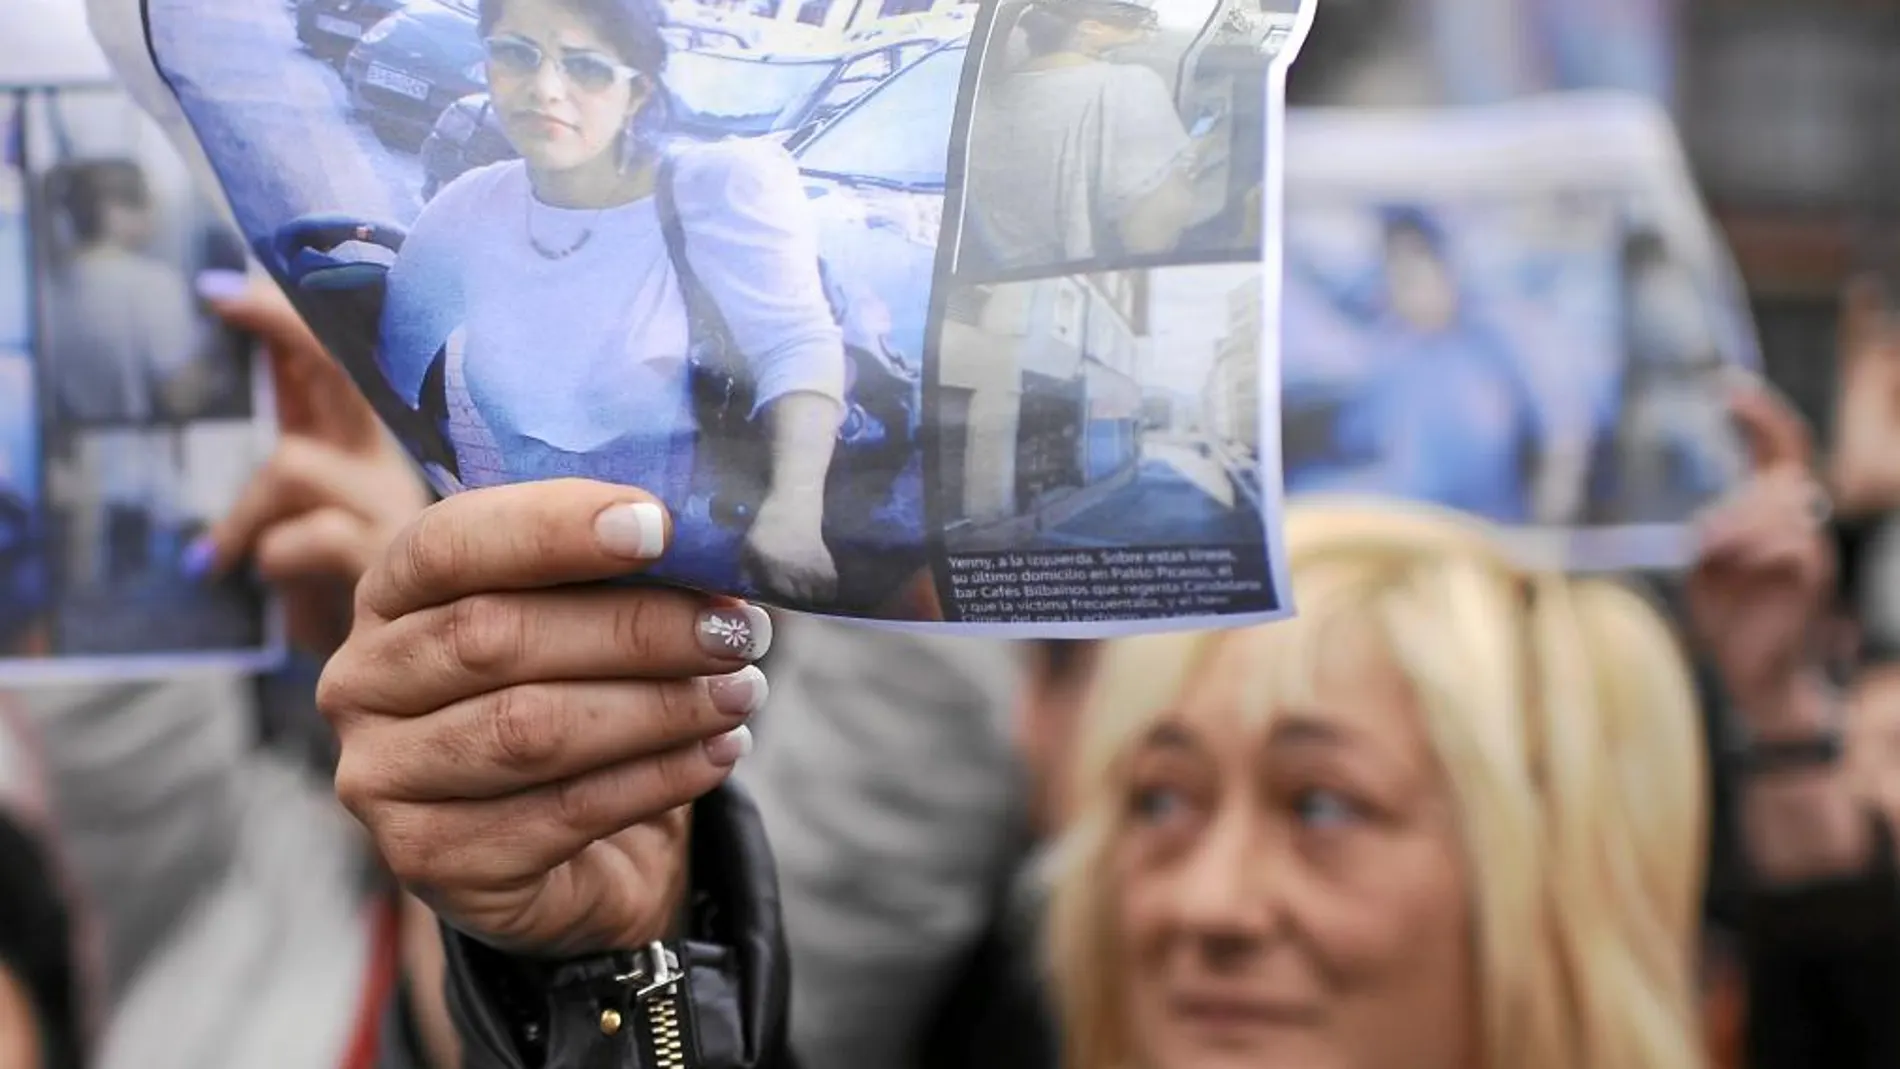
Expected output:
(545, 290)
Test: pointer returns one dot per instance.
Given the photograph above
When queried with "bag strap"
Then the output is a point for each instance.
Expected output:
(705, 323)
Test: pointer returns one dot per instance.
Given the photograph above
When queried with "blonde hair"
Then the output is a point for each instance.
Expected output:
(1563, 714)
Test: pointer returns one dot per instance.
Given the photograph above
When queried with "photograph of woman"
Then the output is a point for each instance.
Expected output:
(562, 304)
(1445, 414)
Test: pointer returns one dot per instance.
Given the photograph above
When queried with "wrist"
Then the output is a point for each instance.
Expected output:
(805, 506)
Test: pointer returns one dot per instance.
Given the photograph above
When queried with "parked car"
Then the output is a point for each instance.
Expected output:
(467, 135)
(712, 94)
(412, 65)
(875, 175)
(328, 29)
(691, 35)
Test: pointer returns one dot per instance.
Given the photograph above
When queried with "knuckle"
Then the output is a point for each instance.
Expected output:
(429, 551)
(485, 633)
(577, 802)
(638, 622)
(336, 689)
(679, 777)
(681, 708)
(412, 853)
(355, 784)
(435, 548)
(523, 727)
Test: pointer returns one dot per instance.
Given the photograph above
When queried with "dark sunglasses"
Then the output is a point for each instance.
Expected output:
(590, 72)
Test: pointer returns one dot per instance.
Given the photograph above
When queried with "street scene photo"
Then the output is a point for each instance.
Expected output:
(1093, 412)
(694, 247)
(131, 419)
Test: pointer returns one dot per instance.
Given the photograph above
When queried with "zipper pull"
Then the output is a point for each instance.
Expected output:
(663, 1004)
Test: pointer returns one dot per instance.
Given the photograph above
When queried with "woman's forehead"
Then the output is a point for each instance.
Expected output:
(559, 22)
(1339, 669)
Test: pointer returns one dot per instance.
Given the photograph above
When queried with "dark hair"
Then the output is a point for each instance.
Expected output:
(84, 190)
(1407, 220)
(1050, 25)
(630, 27)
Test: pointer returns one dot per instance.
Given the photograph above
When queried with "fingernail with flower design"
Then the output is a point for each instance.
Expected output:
(735, 632)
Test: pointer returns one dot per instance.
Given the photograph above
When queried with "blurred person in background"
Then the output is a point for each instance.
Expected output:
(898, 816)
(1450, 815)
(1817, 782)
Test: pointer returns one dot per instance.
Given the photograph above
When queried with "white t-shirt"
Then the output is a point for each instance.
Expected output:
(1060, 156)
(581, 359)
(118, 326)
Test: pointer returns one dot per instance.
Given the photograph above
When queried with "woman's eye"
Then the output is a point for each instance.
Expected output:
(1157, 804)
(1325, 808)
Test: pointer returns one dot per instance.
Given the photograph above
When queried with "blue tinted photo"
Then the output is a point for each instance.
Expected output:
(1462, 356)
(1538, 361)
(130, 418)
(666, 245)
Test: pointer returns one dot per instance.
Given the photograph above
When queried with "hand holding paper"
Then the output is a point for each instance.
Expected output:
(552, 730)
(336, 490)
(1765, 570)
(885, 344)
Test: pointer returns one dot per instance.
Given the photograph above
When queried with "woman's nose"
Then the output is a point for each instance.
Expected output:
(548, 82)
(1230, 889)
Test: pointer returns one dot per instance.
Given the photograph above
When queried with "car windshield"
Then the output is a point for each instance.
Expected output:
(899, 134)
(743, 95)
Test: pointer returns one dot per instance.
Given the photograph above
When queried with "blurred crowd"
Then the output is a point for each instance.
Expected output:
(1457, 813)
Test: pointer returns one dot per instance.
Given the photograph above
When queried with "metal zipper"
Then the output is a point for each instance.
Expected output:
(658, 984)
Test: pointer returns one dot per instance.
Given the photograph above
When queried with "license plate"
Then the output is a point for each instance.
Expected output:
(397, 82)
(340, 27)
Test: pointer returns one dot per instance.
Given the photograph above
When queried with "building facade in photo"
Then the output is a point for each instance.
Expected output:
(1038, 398)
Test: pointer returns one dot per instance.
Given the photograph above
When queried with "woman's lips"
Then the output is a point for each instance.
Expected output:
(1226, 1011)
(542, 123)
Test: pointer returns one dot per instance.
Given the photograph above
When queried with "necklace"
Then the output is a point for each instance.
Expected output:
(557, 254)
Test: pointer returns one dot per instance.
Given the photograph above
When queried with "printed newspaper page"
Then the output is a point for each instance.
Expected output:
(937, 313)
(130, 419)
(1521, 311)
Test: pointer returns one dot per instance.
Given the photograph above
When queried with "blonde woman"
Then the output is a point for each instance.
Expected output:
(1449, 818)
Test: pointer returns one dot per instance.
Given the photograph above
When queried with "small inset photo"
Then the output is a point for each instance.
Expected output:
(1114, 409)
(1112, 133)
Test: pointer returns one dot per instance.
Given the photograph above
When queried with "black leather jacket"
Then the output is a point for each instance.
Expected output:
(713, 1000)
